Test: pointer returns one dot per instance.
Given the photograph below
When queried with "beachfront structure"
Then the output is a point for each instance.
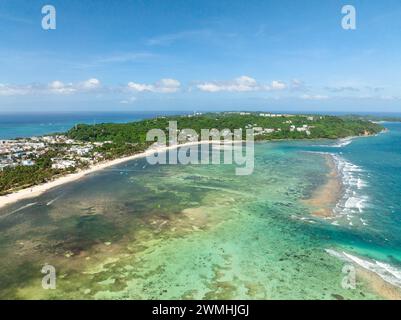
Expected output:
(63, 164)
(28, 163)
(81, 150)
(25, 151)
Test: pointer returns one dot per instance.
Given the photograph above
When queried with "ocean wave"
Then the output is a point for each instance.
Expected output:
(353, 201)
(342, 143)
(384, 270)
(339, 144)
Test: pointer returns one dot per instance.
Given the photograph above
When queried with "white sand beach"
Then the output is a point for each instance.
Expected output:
(37, 190)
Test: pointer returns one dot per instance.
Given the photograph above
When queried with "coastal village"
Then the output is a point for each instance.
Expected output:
(72, 153)
(25, 151)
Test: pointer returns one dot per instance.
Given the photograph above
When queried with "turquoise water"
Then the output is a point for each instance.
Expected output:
(136, 231)
(376, 171)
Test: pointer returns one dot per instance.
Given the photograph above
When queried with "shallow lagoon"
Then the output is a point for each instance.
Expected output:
(136, 231)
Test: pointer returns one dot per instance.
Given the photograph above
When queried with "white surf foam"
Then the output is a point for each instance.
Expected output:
(384, 270)
(339, 144)
(342, 143)
(353, 202)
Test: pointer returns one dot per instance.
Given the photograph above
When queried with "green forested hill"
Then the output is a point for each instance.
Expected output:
(130, 138)
(330, 127)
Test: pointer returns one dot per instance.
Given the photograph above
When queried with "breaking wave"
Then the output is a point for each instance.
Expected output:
(353, 201)
(384, 270)
(339, 144)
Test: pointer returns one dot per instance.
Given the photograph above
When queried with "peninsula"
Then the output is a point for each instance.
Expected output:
(54, 159)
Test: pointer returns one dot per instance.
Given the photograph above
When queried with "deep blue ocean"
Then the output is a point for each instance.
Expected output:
(32, 124)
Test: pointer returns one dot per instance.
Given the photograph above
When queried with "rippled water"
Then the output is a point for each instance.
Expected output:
(136, 231)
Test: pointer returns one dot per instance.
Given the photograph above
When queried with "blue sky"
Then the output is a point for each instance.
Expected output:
(200, 55)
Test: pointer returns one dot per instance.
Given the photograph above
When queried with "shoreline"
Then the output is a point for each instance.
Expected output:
(378, 285)
(39, 189)
(321, 198)
(325, 197)
(374, 281)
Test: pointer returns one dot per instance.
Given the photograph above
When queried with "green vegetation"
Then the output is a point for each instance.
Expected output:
(373, 117)
(13, 178)
(329, 127)
(120, 140)
(120, 149)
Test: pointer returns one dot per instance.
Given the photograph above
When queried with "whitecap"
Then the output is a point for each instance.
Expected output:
(353, 201)
(340, 143)
(384, 270)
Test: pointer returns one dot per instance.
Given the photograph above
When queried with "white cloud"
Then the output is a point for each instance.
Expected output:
(210, 87)
(92, 83)
(314, 97)
(161, 86)
(54, 87)
(59, 87)
(140, 87)
(278, 85)
(168, 85)
(240, 84)
(10, 90)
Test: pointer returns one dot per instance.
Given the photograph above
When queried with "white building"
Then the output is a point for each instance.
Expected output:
(27, 163)
(62, 164)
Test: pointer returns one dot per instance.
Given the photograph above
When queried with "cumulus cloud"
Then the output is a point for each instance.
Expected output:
(54, 87)
(140, 87)
(240, 84)
(59, 87)
(92, 83)
(168, 85)
(161, 86)
(68, 88)
(278, 85)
